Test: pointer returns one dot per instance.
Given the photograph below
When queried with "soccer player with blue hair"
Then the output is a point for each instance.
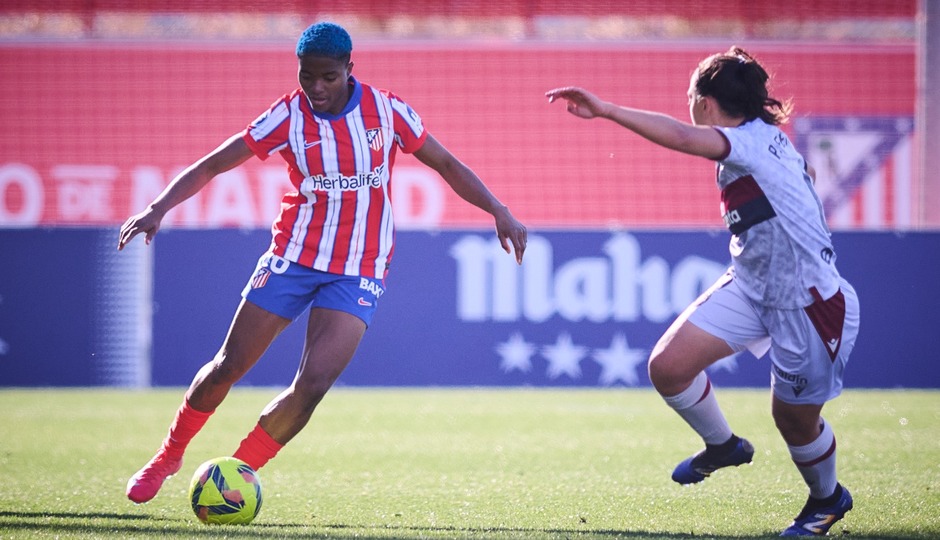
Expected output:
(325, 39)
(331, 247)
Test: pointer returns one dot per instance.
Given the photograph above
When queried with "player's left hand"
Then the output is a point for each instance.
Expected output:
(511, 231)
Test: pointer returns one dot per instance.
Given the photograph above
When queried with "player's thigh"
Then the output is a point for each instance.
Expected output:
(340, 313)
(683, 352)
(728, 315)
(332, 339)
(252, 331)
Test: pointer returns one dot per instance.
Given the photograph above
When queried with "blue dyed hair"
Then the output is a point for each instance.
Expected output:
(325, 39)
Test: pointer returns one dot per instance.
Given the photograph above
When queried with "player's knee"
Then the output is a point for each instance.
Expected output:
(310, 390)
(796, 427)
(227, 370)
(667, 373)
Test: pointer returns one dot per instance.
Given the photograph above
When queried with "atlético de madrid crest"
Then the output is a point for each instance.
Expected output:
(375, 139)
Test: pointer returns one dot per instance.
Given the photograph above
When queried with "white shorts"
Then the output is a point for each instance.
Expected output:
(808, 347)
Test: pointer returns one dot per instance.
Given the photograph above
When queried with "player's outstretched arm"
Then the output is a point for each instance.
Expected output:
(661, 129)
(580, 102)
(228, 155)
(468, 185)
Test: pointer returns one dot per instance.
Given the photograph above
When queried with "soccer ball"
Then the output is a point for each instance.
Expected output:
(225, 490)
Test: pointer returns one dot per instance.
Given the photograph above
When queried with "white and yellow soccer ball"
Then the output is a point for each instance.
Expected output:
(225, 490)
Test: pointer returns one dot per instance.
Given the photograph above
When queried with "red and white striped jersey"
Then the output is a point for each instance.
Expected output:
(339, 218)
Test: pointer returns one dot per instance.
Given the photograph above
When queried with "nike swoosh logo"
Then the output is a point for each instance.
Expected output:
(364, 302)
(309, 145)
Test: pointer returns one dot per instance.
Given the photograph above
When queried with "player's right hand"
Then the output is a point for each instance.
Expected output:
(580, 102)
(147, 222)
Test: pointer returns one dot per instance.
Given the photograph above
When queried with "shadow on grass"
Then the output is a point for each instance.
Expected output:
(141, 525)
(399, 531)
(62, 515)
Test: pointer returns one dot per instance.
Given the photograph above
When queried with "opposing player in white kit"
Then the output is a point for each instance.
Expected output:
(782, 294)
(331, 247)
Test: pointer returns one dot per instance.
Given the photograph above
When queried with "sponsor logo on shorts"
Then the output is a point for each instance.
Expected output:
(372, 287)
(797, 381)
(260, 278)
(364, 302)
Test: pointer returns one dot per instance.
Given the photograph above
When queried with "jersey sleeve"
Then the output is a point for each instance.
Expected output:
(749, 144)
(727, 150)
(733, 144)
(410, 133)
(268, 134)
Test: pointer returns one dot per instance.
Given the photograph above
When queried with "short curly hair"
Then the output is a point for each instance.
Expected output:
(325, 39)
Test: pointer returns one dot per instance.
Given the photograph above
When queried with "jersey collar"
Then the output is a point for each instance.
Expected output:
(354, 98)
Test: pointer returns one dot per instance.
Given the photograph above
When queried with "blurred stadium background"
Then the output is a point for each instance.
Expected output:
(105, 101)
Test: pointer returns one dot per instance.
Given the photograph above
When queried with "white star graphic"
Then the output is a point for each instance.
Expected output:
(516, 354)
(564, 357)
(619, 362)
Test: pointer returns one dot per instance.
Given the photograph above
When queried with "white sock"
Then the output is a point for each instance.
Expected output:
(817, 463)
(699, 408)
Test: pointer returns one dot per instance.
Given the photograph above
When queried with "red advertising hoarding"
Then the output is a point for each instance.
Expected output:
(96, 129)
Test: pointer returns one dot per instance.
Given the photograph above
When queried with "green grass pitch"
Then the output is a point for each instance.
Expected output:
(463, 463)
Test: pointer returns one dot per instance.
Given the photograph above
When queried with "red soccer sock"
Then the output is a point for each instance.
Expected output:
(257, 448)
(185, 426)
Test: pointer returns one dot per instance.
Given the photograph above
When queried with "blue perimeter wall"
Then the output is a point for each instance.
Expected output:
(584, 310)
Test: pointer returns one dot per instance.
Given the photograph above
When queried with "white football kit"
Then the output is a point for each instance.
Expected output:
(783, 293)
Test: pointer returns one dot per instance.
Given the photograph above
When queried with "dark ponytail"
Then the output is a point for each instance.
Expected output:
(739, 84)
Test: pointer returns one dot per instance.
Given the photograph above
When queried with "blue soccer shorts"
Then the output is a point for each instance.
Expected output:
(288, 289)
